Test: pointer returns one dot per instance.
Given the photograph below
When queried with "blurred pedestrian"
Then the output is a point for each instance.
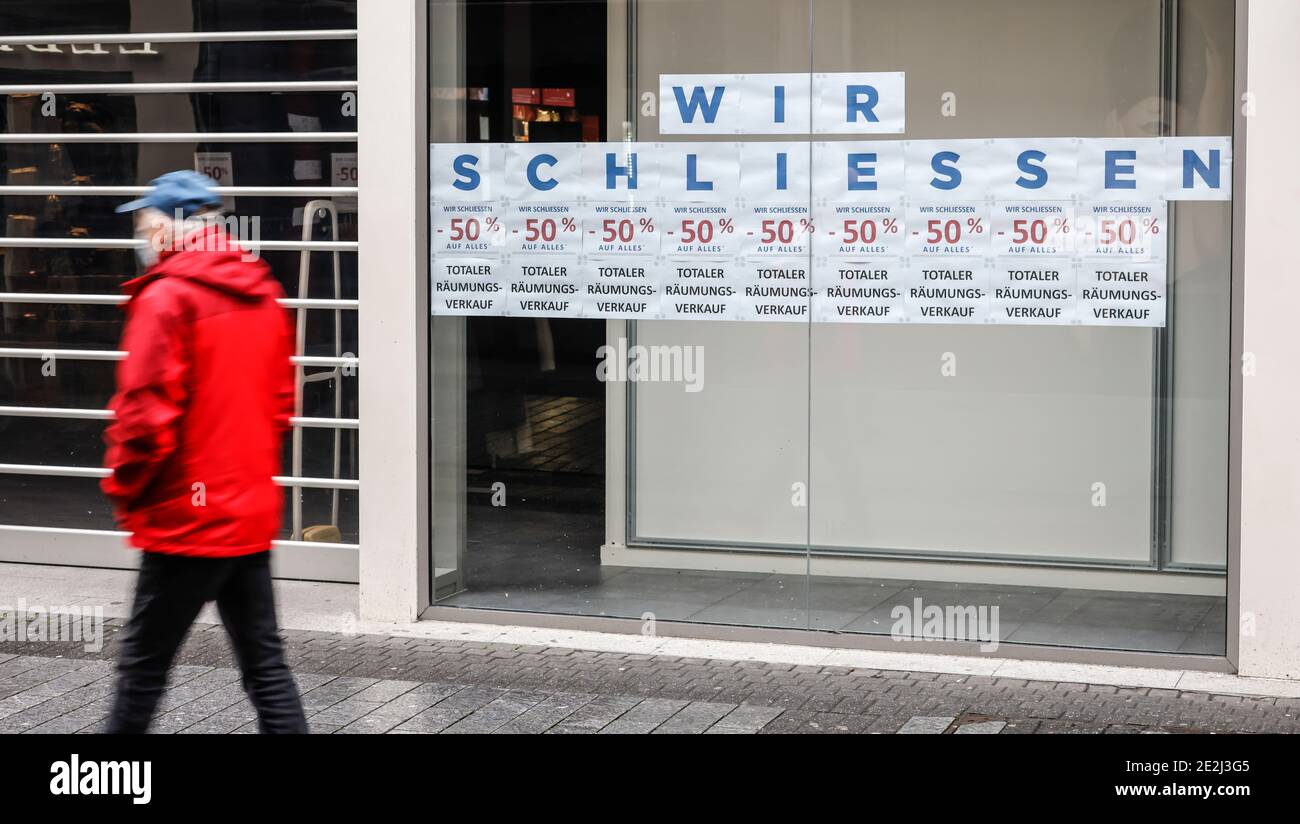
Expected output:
(203, 400)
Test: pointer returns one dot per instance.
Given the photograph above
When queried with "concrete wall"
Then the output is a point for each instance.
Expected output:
(394, 318)
(1268, 574)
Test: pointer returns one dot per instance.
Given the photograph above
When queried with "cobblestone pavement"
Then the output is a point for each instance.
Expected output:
(378, 684)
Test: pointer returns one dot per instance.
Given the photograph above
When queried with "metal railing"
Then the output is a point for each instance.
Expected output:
(75, 299)
(56, 43)
(188, 87)
(49, 471)
(117, 355)
(180, 137)
(178, 37)
(74, 413)
(130, 191)
(123, 243)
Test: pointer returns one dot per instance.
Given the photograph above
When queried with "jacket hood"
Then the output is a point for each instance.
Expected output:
(208, 256)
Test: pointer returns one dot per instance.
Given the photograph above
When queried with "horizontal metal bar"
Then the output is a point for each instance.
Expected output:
(123, 243)
(117, 355)
(320, 303)
(61, 413)
(69, 300)
(66, 354)
(182, 88)
(132, 191)
(114, 300)
(317, 483)
(179, 37)
(116, 533)
(326, 423)
(180, 137)
(54, 471)
(317, 545)
(308, 360)
(72, 413)
(98, 472)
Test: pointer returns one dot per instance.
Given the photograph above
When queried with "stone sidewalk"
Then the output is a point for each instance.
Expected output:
(379, 684)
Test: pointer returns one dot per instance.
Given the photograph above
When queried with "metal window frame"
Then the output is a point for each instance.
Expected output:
(192, 87)
(131, 243)
(83, 414)
(103, 548)
(129, 191)
(117, 355)
(52, 471)
(75, 299)
(180, 137)
(178, 37)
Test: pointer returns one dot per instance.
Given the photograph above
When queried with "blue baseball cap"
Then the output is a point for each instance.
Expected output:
(185, 190)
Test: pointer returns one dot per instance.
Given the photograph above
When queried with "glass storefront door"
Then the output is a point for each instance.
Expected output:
(617, 417)
(900, 319)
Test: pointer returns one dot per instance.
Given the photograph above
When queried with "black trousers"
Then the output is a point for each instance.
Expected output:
(168, 596)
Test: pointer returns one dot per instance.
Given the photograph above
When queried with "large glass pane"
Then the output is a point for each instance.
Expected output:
(1028, 432)
(678, 493)
(1036, 477)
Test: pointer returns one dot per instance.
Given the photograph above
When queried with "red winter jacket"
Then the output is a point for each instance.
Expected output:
(203, 400)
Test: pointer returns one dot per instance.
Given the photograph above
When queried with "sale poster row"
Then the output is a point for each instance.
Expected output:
(950, 290)
(1119, 230)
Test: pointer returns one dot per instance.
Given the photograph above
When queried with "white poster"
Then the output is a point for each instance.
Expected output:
(1057, 231)
(775, 104)
(219, 166)
(859, 103)
(871, 290)
(343, 172)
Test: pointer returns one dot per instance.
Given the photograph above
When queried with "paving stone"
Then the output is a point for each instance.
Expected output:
(402, 708)
(644, 717)
(46, 717)
(187, 715)
(595, 715)
(696, 717)
(332, 692)
(344, 712)
(497, 713)
(555, 709)
(745, 719)
(432, 720)
(926, 725)
(386, 691)
(981, 728)
(224, 721)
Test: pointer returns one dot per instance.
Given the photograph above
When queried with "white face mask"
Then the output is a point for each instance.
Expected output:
(145, 254)
(145, 251)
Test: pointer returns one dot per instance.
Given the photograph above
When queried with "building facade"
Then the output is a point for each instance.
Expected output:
(906, 325)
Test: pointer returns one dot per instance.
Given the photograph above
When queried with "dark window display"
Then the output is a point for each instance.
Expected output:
(71, 281)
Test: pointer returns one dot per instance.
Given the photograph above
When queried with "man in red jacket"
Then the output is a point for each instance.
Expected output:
(203, 400)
